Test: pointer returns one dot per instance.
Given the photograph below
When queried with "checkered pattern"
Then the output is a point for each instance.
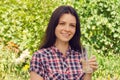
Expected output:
(51, 65)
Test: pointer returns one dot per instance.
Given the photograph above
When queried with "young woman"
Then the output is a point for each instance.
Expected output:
(60, 52)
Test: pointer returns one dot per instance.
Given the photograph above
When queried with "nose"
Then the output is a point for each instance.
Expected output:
(67, 28)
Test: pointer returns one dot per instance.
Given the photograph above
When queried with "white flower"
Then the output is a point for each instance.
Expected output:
(25, 54)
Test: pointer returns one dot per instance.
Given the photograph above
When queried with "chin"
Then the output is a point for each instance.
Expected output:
(66, 40)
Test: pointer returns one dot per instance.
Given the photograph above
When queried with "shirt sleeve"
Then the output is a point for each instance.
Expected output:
(36, 64)
(82, 77)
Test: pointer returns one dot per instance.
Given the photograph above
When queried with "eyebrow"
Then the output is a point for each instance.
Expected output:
(73, 23)
(70, 23)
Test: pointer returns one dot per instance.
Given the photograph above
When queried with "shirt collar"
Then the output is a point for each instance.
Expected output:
(57, 50)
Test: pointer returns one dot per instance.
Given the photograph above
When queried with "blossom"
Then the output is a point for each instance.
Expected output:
(25, 54)
(25, 68)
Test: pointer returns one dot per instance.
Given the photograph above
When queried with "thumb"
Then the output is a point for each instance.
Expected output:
(81, 60)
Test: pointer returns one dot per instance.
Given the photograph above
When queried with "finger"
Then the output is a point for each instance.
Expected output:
(94, 67)
(81, 60)
(92, 59)
(93, 63)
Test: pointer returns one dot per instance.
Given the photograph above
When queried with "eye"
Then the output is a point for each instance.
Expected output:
(61, 23)
(72, 25)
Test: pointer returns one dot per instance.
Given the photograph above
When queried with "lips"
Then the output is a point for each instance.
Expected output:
(65, 35)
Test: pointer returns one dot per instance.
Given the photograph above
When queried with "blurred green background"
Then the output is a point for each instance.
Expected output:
(23, 23)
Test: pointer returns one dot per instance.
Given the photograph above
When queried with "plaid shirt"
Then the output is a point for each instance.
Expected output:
(50, 64)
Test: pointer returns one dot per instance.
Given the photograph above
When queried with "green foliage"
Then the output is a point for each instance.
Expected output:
(9, 69)
(23, 23)
(108, 67)
(100, 22)
(12, 70)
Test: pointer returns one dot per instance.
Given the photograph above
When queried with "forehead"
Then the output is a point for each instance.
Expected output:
(68, 17)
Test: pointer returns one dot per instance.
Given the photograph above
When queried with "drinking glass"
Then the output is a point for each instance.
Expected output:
(86, 55)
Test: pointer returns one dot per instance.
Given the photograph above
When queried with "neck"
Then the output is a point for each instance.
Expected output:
(63, 47)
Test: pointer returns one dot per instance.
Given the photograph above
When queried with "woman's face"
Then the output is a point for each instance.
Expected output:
(66, 28)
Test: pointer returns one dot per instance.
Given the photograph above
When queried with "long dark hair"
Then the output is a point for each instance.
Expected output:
(50, 38)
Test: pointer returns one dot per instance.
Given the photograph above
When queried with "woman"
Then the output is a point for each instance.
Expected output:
(60, 52)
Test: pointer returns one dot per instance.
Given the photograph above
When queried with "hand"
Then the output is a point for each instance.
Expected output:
(93, 63)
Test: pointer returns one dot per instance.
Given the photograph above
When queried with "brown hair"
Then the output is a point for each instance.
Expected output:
(50, 38)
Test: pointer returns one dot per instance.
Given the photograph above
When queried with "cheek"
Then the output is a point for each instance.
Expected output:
(58, 28)
(74, 30)
(56, 31)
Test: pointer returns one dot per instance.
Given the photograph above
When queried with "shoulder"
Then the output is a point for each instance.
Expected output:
(76, 54)
(43, 52)
(75, 51)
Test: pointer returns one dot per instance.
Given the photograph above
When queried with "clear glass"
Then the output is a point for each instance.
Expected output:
(86, 55)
